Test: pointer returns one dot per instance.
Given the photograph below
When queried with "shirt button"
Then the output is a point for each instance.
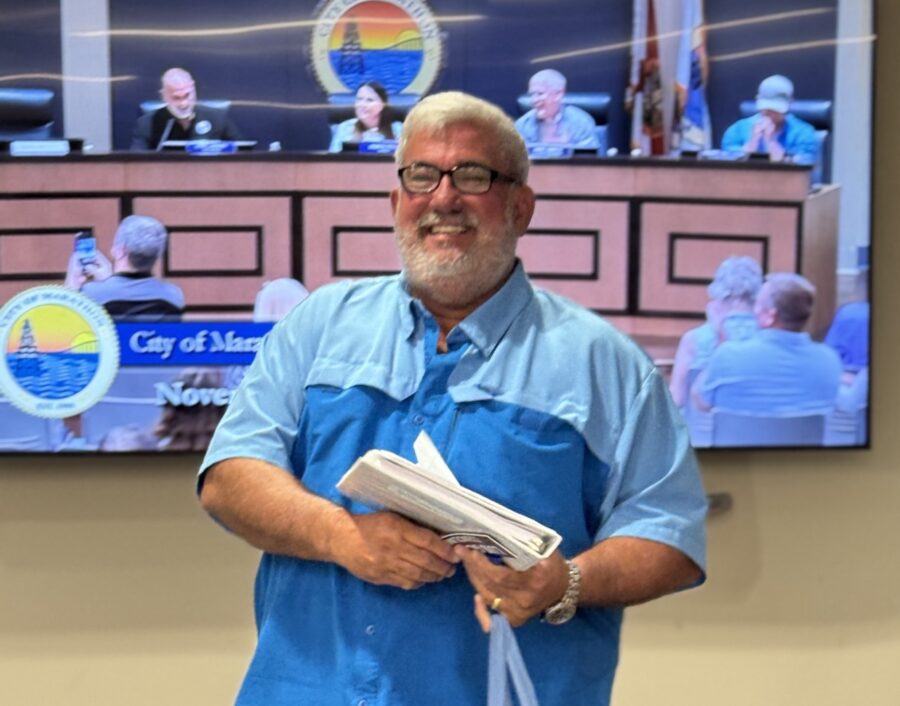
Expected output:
(370, 629)
(361, 702)
(418, 420)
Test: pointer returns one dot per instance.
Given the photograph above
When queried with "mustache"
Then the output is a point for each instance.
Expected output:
(432, 219)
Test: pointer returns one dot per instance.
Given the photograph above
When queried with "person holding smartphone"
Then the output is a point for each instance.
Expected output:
(125, 284)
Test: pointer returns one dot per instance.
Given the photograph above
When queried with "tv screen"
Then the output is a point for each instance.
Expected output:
(703, 183)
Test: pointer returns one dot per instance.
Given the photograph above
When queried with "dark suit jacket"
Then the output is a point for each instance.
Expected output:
(208, 124)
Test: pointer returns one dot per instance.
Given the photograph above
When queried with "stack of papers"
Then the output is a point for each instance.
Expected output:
(428, 494)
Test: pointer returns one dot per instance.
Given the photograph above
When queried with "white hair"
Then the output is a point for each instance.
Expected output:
(435, 113)
(276, 299)
(550, 77)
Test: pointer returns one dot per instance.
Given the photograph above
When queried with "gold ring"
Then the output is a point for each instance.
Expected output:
(495, 604)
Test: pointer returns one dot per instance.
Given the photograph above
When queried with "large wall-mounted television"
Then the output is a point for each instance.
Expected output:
(667, 233)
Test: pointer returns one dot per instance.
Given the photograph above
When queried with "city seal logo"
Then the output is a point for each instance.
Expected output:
(60, 352)
(395, 42)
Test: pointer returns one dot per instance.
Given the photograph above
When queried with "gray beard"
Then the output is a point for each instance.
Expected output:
(462, 279)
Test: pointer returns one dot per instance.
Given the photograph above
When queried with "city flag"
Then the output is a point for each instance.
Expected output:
(691, 127)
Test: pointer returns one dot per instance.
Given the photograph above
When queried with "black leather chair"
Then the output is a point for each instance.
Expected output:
(154, 105)
(595, 104)
(818, 114)
(26, 113)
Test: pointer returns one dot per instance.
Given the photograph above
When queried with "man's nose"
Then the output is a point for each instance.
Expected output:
(445, 195)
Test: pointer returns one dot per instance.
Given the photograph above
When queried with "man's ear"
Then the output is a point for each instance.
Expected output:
(395, 199)
(523, 208)
(767, 317)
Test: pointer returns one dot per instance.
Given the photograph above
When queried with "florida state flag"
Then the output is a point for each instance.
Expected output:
(644, 96)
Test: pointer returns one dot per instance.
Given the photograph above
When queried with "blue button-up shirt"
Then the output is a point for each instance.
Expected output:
(538, 404)
(797, 137)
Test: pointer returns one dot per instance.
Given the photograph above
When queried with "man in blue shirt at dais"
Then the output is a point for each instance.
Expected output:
(362, 607)
(774, 130)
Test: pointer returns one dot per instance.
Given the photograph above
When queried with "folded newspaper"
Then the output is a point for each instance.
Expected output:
(428, 493)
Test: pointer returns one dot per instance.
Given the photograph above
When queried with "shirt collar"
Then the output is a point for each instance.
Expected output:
(486, 326)
(784, 337)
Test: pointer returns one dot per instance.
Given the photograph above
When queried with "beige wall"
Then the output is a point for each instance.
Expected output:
(114, 589)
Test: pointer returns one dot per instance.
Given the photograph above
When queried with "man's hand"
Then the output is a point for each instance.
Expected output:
(522, 594)
(769, 134)
(77, 275)
(386, 549)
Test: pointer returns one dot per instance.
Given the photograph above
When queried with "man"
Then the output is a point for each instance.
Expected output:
(182, 118)
(781, 370)
(126, 286)
(774, 130)
(550, 120)
(357, 606)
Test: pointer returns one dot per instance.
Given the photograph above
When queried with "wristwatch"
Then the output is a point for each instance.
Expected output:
(562, 612)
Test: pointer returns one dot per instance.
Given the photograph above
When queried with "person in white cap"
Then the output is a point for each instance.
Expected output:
(773, 129)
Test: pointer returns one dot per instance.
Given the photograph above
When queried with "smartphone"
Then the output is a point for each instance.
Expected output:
(86, 247)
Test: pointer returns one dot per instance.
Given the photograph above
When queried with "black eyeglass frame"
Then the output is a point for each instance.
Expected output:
(441, 173)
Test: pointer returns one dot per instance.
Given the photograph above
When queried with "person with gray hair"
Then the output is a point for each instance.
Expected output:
(780, 371)
(126, 286)
(729, 317)
(181, 117)
(276, 298)
(363, 606)
(550, 120)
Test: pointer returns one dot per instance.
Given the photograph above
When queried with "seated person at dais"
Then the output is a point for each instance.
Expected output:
(780, 370)
(774, 130)
(550, 121)
(373, 121)
(182, 118)
(126, 287)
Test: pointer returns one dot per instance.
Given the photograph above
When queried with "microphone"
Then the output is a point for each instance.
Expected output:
(165, 135)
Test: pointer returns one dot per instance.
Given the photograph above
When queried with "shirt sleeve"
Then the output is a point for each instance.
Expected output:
(655, 490)
(583, 129)
(342, 133)
(263, 416)
(733, 140)
(804, 146)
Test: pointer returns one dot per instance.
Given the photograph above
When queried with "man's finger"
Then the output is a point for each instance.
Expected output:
(482, 613)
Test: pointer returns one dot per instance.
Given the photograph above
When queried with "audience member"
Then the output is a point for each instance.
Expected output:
(550, 120)
(129, 437)
(189, 428)
(373, 607)
(780, 370)
(849, 335)
(182, 117)
(729, 317)
(179, 427)
(276, 298)
(274, 301)
(774, 130)
(127, 287)
(373, 121)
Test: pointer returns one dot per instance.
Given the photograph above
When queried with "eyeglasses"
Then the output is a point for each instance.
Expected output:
(422, 178)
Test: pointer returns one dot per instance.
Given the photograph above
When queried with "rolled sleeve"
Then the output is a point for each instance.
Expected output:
(262, 419)
(656, 491)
